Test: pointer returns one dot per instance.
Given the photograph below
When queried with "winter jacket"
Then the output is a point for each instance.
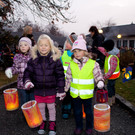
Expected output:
(18, 67)
(45, 72)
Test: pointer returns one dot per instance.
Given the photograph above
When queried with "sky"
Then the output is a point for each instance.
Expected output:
(98, 12)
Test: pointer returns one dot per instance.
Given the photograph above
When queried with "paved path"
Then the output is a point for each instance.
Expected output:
(13, 123)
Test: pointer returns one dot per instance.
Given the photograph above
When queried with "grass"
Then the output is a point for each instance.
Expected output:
(4, 80)
(126, 89)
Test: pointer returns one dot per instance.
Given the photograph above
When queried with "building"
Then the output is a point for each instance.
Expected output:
(123, 35)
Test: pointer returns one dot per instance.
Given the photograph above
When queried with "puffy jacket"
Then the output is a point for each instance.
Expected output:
(45, 73)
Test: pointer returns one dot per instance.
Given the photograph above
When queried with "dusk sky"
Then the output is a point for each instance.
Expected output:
(89, 12)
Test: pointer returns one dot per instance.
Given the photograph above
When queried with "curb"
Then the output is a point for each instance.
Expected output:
(125, 103)
(10, 85)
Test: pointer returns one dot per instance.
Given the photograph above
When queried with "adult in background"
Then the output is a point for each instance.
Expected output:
(97, 42)
(27, 32)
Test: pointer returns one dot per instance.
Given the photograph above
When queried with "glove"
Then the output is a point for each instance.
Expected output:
(29, 85)
(8, 73)
(100, 84)
(61, 95)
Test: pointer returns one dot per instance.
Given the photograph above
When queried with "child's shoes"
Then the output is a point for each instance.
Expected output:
(52, 128)
(41, 130)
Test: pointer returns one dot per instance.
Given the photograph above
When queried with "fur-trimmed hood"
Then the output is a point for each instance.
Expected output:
(56, 54)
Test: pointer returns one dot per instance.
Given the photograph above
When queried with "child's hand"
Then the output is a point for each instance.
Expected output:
(8, 73)
(100, 84)
(29, 85)
(61, 95)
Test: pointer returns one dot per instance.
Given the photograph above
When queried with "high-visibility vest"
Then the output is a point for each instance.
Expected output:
(116, 74)
(65, 60)
(82, 83)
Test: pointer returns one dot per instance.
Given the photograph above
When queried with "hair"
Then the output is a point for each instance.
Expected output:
(94, 29)
(26, 30)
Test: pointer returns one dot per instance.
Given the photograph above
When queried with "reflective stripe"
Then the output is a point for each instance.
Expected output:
(82, 91)
(65, 67)
(86, 92)
(82, 81)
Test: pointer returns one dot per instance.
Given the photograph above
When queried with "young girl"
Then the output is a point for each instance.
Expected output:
(45, 75)
(111, 67)
(19, 64)
(81, 74)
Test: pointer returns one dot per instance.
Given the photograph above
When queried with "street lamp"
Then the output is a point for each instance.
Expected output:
(100, 31)
(119, 36)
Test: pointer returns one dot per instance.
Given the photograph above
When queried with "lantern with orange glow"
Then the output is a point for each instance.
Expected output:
(11, 99)
(102, 96)
(32, 113)
(102, 117)
(84, 115)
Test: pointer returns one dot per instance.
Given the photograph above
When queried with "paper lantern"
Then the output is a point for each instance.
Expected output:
(11, 99)
(102, 117)
(102, 96)
(32, 113)
(84, 115)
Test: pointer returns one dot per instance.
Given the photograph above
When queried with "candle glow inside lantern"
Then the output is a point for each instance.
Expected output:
(32, 113)
(84, 115)
(11, 99)
(102, 117)
(102, 96)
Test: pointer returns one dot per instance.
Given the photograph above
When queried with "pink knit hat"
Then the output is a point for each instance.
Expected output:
(80, 43)
(26, 39)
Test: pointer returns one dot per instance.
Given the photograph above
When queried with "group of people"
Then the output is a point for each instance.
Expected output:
(44, 74)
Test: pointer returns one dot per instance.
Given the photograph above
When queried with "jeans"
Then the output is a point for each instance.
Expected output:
(25, 95)
(111, 87)
(77, 107)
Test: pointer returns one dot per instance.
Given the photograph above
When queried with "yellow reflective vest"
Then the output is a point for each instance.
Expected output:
(116, 73)
(82, 83)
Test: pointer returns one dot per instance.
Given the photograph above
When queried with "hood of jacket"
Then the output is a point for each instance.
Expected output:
(114, 51)
(55, 53)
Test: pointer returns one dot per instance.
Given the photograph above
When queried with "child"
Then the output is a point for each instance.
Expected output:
(45, 74)
(111, 67)
(81, 74)
(66, 58)
(19, 64)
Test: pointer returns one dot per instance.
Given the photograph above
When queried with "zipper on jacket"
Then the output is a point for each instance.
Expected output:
(44, 74)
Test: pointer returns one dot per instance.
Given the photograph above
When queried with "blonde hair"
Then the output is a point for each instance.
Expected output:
(26, 30)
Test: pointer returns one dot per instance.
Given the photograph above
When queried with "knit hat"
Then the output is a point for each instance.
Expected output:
(80, 43)
(71, 38)
(108, 44)
(26, 39)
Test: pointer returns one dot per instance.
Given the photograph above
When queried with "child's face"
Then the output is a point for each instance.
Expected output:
(79, 54)
(68, 46)
(44, 47)
(24, 47)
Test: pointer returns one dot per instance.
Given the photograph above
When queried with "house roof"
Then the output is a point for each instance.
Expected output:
(124, 30)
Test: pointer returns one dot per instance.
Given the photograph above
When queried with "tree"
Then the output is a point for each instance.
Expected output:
(48, 10)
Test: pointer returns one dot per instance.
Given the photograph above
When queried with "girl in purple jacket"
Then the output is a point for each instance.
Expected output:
(45, 75)
(19, 64)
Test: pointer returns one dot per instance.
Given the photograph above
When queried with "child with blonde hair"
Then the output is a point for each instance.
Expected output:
(45, 75)
(80, 76)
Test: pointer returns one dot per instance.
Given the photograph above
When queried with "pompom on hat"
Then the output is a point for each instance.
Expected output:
(71, 38)
(25, 39)
(80, 43)
(108, 44)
